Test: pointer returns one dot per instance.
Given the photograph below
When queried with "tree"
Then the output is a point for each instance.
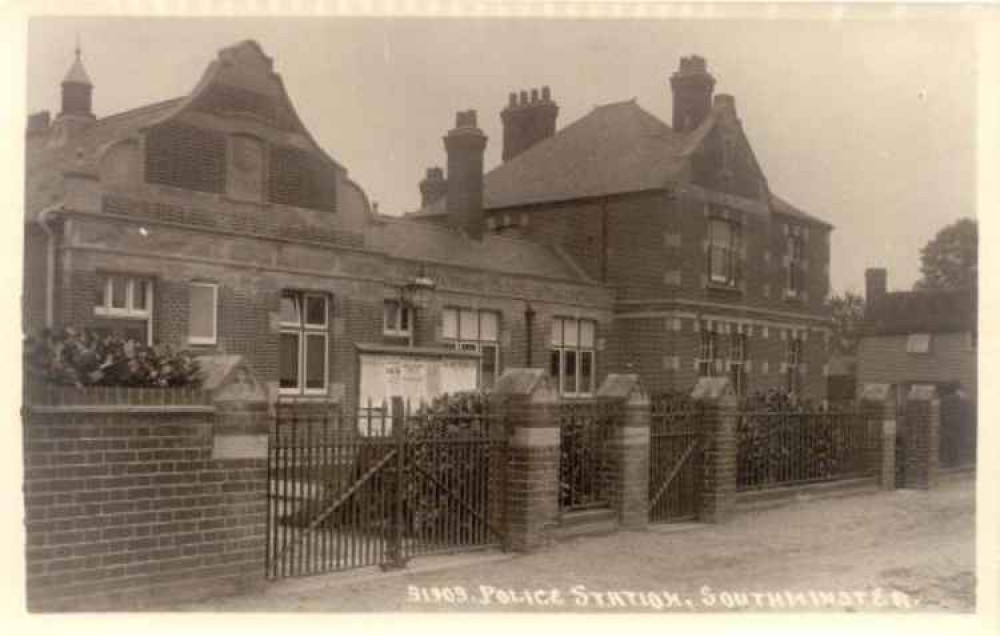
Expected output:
(950, 260)
(848, 311)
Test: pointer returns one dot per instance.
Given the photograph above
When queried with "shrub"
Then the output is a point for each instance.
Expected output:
(84, 357)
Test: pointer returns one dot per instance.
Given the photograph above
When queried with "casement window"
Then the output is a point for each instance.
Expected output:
(475, 330)
(918, 343)
(709, 357)
(303, 366)
(796, 247)
(203, 310)
(572, 356)
(129, 298)
(397, 319)
(793, 362)
(723, 252)
(737, 362)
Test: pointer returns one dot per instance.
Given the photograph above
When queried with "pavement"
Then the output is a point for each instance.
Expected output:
(898, 551)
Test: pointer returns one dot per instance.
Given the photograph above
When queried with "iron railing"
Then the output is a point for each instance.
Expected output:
(786, 447)
(585, 477)
(675, 458)
(381, 486)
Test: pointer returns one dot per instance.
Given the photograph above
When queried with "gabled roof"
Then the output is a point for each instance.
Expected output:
(784, 207)
(939, 311)
(432, 243)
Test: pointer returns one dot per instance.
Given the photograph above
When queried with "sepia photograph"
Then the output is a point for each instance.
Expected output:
(528, 315)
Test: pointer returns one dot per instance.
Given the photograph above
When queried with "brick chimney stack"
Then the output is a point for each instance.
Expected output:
(692, 87)
(433, 188)
(876, 284)
(465, 145)
(527, 121)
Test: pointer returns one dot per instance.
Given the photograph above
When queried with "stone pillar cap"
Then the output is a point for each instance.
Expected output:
(875, 392)
(622, 386)
(228, 378)
(525, 382)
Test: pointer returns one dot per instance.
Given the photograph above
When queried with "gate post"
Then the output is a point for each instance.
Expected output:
(719, 418)
(629, 448)
(880, 412)
(530, 400)
(923, 415)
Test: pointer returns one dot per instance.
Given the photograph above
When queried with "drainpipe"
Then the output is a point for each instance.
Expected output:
(50, 262)
(529, 322)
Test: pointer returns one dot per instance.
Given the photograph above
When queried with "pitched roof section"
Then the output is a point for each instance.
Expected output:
(614, 149)
(784, 207)
(46, 161)
(899, 313)
(413, 240)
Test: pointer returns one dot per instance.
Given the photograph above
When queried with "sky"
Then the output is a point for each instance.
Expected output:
(870, 125)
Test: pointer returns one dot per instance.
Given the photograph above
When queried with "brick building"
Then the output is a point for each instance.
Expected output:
(918, 337)
(712, 273)
(215, 222)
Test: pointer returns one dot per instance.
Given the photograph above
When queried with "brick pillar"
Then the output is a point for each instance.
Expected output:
(720, 414)
(880, 410)
(923, 415)
(629, 448)
(530, 400)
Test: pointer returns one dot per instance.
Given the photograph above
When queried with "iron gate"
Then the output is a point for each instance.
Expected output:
(348, 491)
(675, 459)
(585, 429)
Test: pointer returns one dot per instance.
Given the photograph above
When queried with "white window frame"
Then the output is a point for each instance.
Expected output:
(303, 330)
(402, 309)
(579, 350)
(794, 353)
(796, 246)
(730, 251)
(214, 338)
(738, 357)
(708, 351)
(106, 310)
(462, 342)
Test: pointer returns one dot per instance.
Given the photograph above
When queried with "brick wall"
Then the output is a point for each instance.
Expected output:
(34, 271)
(129, 510)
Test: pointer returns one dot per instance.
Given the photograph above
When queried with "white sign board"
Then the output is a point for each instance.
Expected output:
(415, 379)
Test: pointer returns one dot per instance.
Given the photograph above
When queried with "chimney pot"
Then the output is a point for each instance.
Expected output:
(513, 100)
(534, 95)
(546, 94)
(524, 98)
(532, 121)
(39, 122)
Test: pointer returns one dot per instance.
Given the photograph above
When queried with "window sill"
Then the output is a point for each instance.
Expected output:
(723, 287)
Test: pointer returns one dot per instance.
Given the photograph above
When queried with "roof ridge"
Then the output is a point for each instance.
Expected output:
(138, 110)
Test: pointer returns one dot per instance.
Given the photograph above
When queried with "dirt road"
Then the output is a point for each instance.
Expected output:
(902, 550)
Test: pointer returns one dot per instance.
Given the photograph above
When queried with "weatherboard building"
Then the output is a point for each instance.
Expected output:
(215, 222)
